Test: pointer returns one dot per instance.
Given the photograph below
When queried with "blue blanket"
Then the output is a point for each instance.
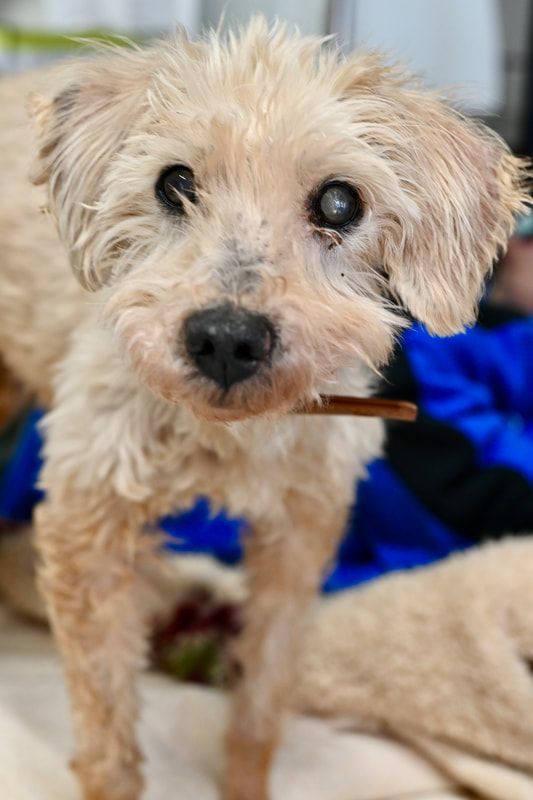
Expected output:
(462, 473)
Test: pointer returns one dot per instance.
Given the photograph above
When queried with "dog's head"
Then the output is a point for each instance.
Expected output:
(248, 207)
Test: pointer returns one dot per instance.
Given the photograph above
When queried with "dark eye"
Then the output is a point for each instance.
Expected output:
(336, 205)
(174, 184)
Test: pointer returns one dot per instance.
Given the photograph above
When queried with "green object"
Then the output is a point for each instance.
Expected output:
(15, 39)
(197, 660)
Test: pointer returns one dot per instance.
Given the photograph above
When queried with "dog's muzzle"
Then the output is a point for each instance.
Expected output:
(228, 344)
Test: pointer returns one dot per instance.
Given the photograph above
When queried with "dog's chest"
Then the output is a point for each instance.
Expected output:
(250, 467)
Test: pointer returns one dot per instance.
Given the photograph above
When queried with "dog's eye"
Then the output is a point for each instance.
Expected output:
(336, 205)
(174, 184)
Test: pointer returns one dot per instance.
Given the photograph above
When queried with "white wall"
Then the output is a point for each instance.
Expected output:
(311, 16)
(123, 16)
(456, 43)
(130, 16)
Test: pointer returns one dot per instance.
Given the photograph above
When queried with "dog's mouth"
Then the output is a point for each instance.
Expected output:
(251, 398)
(275, 390)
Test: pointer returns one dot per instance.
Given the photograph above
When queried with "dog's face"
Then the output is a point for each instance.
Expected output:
(248, 209)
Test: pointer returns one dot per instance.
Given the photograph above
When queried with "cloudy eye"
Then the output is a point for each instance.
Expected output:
(174, 184)
(336, 205)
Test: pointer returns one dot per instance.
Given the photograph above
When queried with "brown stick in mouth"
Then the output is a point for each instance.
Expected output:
(362, 407)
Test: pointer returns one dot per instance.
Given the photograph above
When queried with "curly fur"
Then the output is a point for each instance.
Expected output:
(262, 116)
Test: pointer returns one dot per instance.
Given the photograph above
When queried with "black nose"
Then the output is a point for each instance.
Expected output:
(228, 344)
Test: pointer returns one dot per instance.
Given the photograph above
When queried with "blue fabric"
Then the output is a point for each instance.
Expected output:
(478, 382)
(407, 539)
(386, 536)
(199, 532)
(381, 537)
(18, 483)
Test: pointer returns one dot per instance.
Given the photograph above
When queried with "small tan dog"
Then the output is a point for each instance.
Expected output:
(244, 209)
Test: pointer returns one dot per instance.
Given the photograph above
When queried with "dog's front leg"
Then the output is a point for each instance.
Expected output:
(89, 544)
(285, 562)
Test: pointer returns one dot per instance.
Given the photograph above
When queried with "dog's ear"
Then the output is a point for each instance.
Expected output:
(461, 185)
(79, 132)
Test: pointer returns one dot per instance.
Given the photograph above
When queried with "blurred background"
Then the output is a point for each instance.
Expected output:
(480, 48)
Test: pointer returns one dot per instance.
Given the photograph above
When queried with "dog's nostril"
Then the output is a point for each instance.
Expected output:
(207, 348)
(228, 344)
(246, 352)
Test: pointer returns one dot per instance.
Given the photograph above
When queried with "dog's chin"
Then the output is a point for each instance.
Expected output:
(224, 414)
(225, 408)
(239, 403)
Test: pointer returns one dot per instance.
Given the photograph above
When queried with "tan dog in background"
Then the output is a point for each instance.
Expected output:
(239, 213)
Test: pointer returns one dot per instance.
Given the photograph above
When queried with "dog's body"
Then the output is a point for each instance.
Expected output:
(140, 422)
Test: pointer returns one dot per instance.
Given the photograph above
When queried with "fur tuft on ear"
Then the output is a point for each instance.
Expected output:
(462, 187)
(79, 132)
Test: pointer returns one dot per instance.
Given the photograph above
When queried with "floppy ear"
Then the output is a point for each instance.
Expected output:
(462, 188)
(79, 131)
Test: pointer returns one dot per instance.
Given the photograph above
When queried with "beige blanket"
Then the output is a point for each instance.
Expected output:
(182, 731)
(425, 678)
(443, 658)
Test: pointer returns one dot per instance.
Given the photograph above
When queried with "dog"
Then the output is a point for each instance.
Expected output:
(249, 219)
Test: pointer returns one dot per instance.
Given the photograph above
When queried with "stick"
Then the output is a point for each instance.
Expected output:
(362, 407)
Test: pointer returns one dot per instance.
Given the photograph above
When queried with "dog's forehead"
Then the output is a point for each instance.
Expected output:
(264, 94)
